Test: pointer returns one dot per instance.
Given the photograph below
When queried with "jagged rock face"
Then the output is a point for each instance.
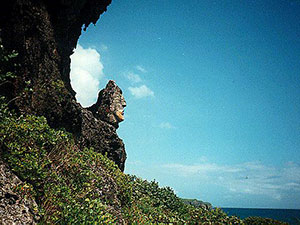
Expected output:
(44, 33)
(110, 105)
(100, 121)
(103, 138)
(14, 208)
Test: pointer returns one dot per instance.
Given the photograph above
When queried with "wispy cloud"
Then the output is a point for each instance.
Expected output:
(103, 47)
(86, 73)
(251, 178)
(133, 77)
(166, 125)
(141, 92)
(141, 69)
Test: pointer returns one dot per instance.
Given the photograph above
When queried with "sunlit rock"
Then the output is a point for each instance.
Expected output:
(110, 104)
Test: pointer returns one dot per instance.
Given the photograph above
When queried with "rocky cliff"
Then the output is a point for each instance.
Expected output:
(45, 33)
(61, 163)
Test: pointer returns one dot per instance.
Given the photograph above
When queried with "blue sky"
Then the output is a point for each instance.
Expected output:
(212, 91)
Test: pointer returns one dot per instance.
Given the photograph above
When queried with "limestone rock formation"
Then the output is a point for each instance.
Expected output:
(110, 105)
(14, 208)
(100, 121)
(44, 33)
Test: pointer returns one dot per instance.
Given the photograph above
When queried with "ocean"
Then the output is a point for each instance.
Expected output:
(286, 215)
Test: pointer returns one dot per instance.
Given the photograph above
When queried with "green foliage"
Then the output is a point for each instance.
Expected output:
(62, 177)
(124, 191)
(27, 140)
(81, 186)
(59, 86)
(262, 221)
(152, 204)
(7, 65)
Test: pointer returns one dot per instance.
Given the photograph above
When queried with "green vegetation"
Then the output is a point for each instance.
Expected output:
(261, 221)
(7, 65)
(67, 182)
(62, 178)
(81, 186)
(152, 204)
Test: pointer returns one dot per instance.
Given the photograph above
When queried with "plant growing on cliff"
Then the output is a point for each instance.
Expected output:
(7, 65)
(262, 221)
(63, 178)
(80, 186)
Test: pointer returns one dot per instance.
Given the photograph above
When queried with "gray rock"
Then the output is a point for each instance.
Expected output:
(100, 121)
(110, 105)
(102, 136)
(14, 208)
(44, 33)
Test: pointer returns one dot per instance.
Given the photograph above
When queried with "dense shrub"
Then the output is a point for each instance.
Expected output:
(262, 221)
(81, 186)
(62, 177)
(152, 204)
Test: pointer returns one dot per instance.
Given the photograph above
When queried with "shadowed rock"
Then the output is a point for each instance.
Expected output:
(100, 121)
(45, 33)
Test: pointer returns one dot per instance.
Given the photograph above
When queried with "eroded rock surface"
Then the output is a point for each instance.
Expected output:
(100, 121)
(14, 208)
(44, 33)
(110, 105)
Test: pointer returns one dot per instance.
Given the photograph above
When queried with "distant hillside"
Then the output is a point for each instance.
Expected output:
(197, 203)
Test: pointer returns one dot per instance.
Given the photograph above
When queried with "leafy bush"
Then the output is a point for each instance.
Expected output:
(81, 186)
(74, 186)
(152, 204)
(64, 179)
(7, 65)
(262, 221)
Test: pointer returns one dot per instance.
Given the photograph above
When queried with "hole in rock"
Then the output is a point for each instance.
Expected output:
(86, 74)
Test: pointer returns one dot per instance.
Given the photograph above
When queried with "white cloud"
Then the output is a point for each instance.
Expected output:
(86, 72)
(141, 69)
(141, 92)
(166, 125)
(252, 178)
(133, 77)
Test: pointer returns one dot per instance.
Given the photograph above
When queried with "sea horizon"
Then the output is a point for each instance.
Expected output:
(291, 216)
(232, 207)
